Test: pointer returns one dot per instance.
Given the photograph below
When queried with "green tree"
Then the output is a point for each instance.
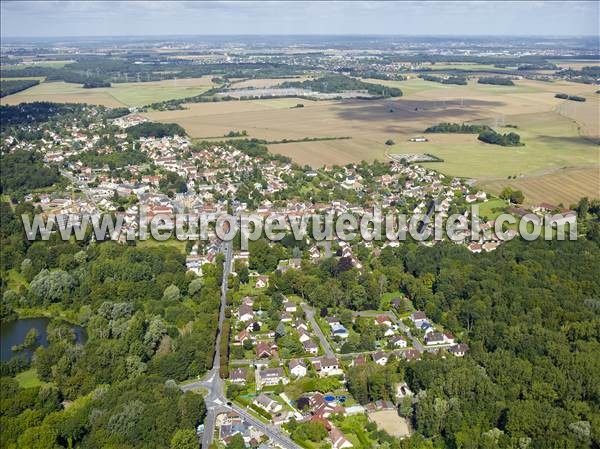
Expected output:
(184, 439)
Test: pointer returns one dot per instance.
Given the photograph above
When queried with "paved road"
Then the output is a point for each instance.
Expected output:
(310, 316)
(215, 399)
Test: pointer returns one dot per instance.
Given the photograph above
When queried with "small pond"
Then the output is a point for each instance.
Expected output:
(13, 333)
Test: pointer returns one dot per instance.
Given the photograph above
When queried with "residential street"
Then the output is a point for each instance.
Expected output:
(215, 399)
(310, 316)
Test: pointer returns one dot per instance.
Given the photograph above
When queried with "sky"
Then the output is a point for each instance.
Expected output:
(145, 18)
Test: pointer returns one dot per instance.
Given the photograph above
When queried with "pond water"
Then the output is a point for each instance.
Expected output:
(13, 333)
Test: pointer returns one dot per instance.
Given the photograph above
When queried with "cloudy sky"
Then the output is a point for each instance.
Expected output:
(97, 18)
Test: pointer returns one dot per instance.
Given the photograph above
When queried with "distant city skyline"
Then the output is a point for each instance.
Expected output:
(148, 18)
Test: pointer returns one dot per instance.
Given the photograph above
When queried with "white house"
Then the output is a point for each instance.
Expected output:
(271, 376)
(297, 368)
(266, 403)
(458, 350)
(328, 366)
(311, 347)
(290, 307)
(398, 342)
(262, 282)
(418, 318)
(381, 358)
(338, 440)
(238, 375)
(245, 313)
(303, 336)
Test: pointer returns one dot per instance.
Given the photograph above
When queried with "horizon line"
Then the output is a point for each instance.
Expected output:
(300, 35)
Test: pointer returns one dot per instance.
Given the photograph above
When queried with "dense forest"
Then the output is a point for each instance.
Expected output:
(340, 83)
(527, 312)
(154, 129)
(101, 71)
(25, 170)
(36, 112)
(114, 160)
(8, 87)
(149, 324)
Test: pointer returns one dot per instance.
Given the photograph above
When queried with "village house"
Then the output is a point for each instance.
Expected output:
(402, 391)
(269, 377)
(338, 439)
(263, 350)
(338, 330)
(303, 335)
(297, 368)
(381, 358)
(242, 336)
(327, 366)
(238, 375)
(322, 409)
(245, 313)
(311, 347)
(262, 282)
(411, 354)
(289, 307)
(398, 342)
(418, 318)
(458, 350)
(266, 403)
(301, 326)
(434, 338)
(383, 320)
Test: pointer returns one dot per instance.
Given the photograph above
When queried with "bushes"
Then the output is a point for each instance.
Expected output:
(569, 97)
(461, 81)
(496, 80)
(95, 84)
(457, 128)
(506, 140)
(224, 350)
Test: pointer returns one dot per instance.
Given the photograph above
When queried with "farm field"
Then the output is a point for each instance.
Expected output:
(265, 82)
(564, 186)
(556, 133)
(552, 141)
(120, 94)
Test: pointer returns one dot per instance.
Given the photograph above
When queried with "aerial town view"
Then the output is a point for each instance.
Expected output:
(300, 225)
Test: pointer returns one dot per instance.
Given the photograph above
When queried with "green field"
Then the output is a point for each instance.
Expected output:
(29, 379)
(173, 242)
(16, 280)
(550, 141)
(491, 208)
(125, 94)
(39, 78)
(410, 86)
